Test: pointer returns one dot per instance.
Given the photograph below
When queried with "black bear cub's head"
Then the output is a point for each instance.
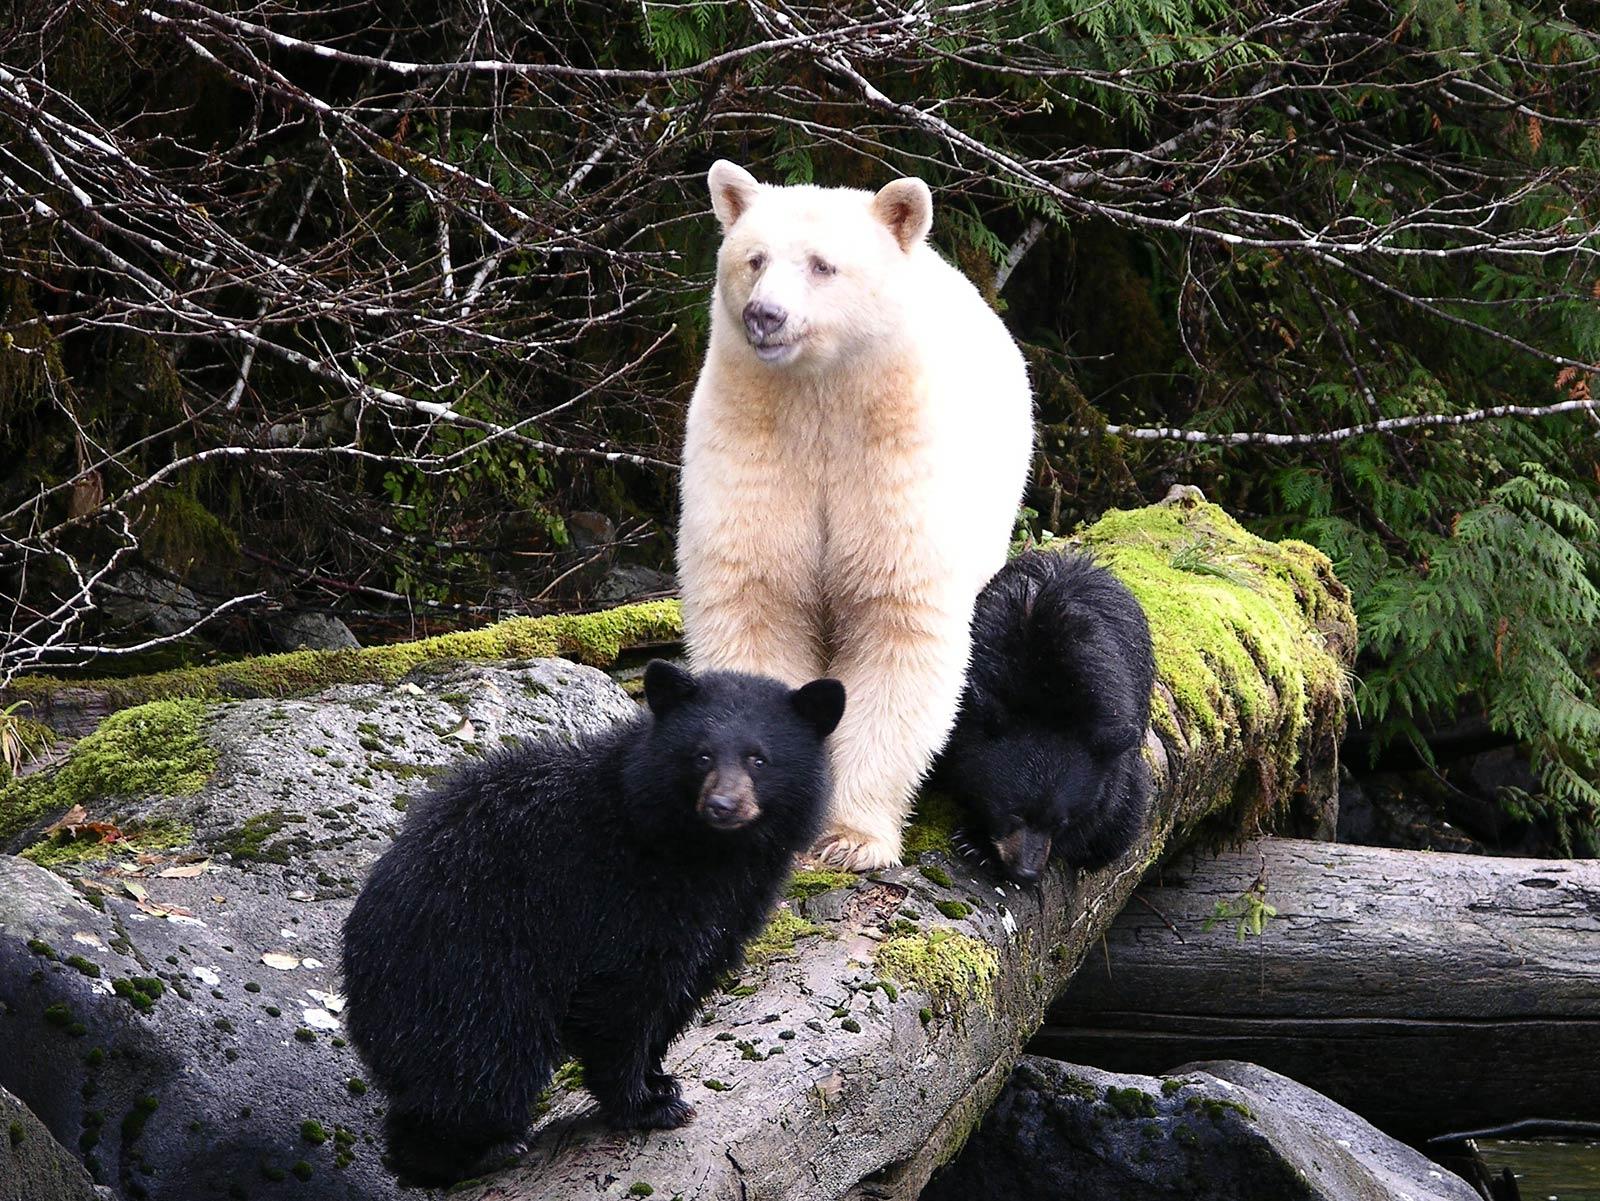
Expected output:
(742, 752)
(1036, 789)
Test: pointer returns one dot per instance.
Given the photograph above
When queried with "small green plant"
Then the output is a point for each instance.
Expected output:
(1248, 911)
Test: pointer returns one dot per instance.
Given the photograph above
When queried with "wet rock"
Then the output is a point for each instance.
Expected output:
(630, 583)
(311, 631)
(164, 606)
(33, 1166)
(1217, 1131)
(172, 1009)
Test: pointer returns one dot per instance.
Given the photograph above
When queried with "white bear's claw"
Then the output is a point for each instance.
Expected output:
(856, 852)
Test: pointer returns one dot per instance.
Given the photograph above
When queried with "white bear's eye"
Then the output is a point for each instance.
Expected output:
(757, 261)
(818, 267)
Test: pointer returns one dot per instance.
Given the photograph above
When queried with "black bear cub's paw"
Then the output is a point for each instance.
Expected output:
(663, 1107)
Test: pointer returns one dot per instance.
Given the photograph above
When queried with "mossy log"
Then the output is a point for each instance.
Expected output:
(1429, 992)
(881, 1015)
(71, 706)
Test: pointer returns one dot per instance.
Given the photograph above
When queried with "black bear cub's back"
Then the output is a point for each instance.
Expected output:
(557, 900)
(1047, 748)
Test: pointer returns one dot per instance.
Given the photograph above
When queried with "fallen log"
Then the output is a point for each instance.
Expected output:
(1428, 992)
(880, 1016)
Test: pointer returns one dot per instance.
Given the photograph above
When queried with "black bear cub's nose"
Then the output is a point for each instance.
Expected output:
(1023, 873)
(720, 806)
(762, 320)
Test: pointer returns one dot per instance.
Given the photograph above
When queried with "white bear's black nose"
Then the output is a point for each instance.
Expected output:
(762, 320)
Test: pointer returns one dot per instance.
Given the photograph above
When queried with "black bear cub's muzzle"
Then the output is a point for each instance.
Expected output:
(728, 800)
(1024, 853)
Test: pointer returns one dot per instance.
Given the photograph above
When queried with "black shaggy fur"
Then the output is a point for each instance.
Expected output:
(1047, 748)
(558, 900)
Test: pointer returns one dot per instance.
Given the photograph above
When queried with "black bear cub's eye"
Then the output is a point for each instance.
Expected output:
(755, 761)
(703, 759)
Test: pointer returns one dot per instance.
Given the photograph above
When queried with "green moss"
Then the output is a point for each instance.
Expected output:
(568, 1076)
(716, 1086)
(87, 967)
(142, 992)
(1131, 1102)
(953, 969)
(814, 881)
(16, 1133)
(593, 638)
(937, 875)
(301, 1170)
(62, 849)
(1170, 1085)
(1217, 1108)
(954, 910)
(937, 818)
(640, 1189)
(1234, 622)
(1080, 1088)
(782, 932)
(850, 1024)
(356, 1086)
(58, 1014)
(134, 1120)
(154, 749)
(305, 1035)
(39, 947)
(249, 841)
(925, 1015)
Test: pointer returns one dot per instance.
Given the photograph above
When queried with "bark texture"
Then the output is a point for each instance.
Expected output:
(1430, 992)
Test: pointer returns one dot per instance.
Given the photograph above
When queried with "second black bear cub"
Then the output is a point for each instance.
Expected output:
(1048, 744)
(558, 900)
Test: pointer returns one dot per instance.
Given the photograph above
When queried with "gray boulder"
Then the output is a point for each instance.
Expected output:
(311, 631)
(172, 1009)
(1216, 1131)
(33, 1166)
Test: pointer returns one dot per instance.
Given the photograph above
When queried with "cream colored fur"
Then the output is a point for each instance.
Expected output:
(844, 503)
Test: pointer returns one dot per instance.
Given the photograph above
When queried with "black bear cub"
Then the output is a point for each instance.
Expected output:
(557, 900)
(1047, 748)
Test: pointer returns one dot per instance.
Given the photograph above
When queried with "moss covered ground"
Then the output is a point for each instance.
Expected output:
(593, 638)
(152, 749)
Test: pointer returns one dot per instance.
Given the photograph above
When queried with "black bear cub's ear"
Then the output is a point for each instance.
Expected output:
(666, 686)
(821, 703)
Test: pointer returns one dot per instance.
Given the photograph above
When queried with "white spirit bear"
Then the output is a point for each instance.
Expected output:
(857, 446)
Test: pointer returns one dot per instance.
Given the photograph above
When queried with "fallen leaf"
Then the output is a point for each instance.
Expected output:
(72, 817)
(136, 891)
(277, 959)
(187, 872)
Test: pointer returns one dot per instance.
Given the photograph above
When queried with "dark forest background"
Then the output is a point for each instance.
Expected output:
(390, 312)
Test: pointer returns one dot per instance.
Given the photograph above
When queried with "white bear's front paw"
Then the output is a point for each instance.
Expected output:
(857, 852)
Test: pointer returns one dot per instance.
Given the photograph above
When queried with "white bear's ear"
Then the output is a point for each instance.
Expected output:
(733, 189)
(906, 207)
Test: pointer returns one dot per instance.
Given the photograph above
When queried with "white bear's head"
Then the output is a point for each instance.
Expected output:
(810, 276)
